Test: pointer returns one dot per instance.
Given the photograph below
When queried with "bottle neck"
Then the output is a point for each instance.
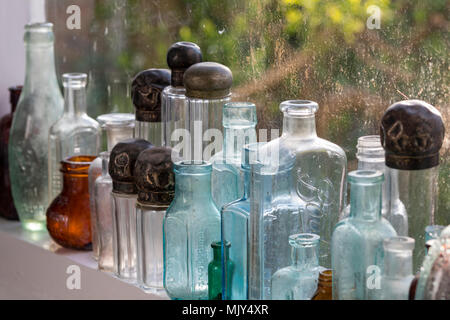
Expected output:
(302, 127)
(40, 68)
(75, 100)
(304, 257)
(105, 163)
(193, 187)
(398, 263)
(116, 135)
(235, 138)
(75, 183)
(365, 201)
(217, 254)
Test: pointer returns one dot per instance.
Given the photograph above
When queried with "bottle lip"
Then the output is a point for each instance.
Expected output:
(299, 108)
(39, 27)
(304, 240)
(399, 244)
(77, 164)
(74, 80)
(116, 120)
(326, 275)
(193, 167)
(365, 177)
(218, 244)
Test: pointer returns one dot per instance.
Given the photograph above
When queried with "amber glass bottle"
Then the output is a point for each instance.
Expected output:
(69, 217)
(324, 287)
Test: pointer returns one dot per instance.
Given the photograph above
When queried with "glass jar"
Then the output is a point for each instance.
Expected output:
(75, 133)
(299, 280)
(7, 209)
(239, 122)
(397, 273)
(215, 273)
(191, 224)
(324, 287)
(68, 216)
(40, 105)
(356, 245)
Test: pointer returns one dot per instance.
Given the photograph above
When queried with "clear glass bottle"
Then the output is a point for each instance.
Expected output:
(146, 90)
(208, 87)
(74, 134)
(412, 133)
(191, 224)
(239, 122)
(397, 273)
(180, 56)
(299, 280)
(118, 127)
(215, 273)
(121, 169)
(40, 105)
(324, 287)
(357, 241)
(155, 182)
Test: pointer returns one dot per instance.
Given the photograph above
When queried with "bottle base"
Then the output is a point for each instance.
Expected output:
(33, 225)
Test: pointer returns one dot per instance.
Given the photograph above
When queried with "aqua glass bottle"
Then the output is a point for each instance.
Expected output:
(239, 122)
(40, 106)
(299, 280)
(397, 273)
(216, 290)
(357, 241)
(191, 224)
(433, 232)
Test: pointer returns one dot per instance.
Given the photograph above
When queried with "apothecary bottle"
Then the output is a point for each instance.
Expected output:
(299, 280)
(412, 133)
(40, 106)
(191, 224)
(208, 87)
(324, 287)
(357, 241)
(180, 56)
(7, 209)
(74, 134)
(239, 122)
(121, 169)
(68, 216)
(397, 273)
(146, 89)
(155, 183)
(215, 272)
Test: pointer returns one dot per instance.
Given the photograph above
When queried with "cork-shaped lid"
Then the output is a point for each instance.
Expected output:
(208, 80)
(146, 89)
(154, 176)
(412, 133)
(180, 56)
(121, 164)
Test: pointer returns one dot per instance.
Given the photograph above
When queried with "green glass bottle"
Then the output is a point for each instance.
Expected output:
(215, 271)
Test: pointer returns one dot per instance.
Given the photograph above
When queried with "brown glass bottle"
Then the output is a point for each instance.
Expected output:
(69, 217)
(324, 287)
(7, 209)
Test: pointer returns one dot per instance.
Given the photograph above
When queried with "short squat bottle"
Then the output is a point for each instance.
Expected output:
(146, 89)
(397, 273)
(75, 133)
(191, 224)
(68, 216)
(324, 287)
(357, 241)
(239, 122)
(121, 169)
(180, 56)
(299, 280)
(40, 106)
(156, 184)
(215, 273)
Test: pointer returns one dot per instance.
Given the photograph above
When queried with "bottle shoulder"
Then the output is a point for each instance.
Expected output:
(178, 92)
(68, 124)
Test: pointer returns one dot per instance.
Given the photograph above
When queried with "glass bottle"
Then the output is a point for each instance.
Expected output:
(124, 193)
(412, 133)
(74, 134)
(215, 288)
(239, 122)
(146, 90)
(208, 87)
(40, 105)
(433, 232)
(180, 56)
(299, 280)
(324, 287)
(357, 241)
(7, 209)
(68, 216)
(118, 127)
(191, 224)
(155, 182)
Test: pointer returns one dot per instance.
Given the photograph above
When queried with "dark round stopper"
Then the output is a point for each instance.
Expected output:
(121, 164)
(412, 133)
(180, 56)
(146, 89)
(208, 80)
(154, 176)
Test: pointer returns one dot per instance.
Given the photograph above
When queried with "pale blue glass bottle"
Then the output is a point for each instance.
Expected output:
(191, 224)
(239, 122)
(357, 241)
(299, 280)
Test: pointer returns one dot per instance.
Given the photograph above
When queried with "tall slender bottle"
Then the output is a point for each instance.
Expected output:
(180, 56)
(208, 87)
(7, 209)
(40, 106)
(146, 90)
(412, 133)
(124, 193)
